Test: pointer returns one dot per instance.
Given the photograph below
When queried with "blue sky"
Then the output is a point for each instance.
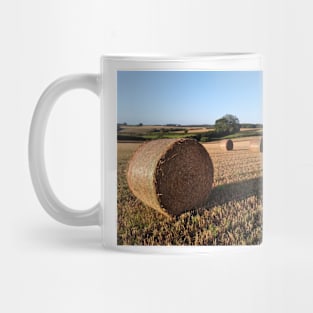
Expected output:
(188, 97)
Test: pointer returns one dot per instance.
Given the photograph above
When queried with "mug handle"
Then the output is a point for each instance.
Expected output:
(37, 166)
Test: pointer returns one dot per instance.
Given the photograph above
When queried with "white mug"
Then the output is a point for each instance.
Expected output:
(181, 151)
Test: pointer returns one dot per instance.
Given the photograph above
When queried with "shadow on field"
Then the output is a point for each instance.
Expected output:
(235, 191)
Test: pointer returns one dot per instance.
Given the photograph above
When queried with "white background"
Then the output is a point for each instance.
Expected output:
(49, 267)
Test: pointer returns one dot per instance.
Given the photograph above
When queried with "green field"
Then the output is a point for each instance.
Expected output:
(232, 216)
(150, 132)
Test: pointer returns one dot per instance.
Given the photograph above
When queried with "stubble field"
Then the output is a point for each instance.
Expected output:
(233, 215)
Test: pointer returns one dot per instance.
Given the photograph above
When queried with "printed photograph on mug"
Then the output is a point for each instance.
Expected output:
(189, 157)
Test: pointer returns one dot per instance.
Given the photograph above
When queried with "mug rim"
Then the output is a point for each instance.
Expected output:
(201, 56)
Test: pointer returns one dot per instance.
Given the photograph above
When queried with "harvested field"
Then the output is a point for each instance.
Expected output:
(232, 215)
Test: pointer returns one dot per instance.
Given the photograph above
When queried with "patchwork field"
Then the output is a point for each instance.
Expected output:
(232, 216)
(201, 133)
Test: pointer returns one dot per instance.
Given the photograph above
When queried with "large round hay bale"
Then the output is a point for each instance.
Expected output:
(171, 175)
(256, 145)
(227, 145)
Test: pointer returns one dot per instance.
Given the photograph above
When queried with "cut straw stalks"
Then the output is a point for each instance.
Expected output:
(171, 175)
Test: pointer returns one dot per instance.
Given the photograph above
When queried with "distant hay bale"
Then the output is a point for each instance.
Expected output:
(256, 145)
(227, 145)
(171, 175)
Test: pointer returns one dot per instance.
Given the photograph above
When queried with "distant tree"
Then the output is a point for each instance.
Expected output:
(140, 124)
(228, 124)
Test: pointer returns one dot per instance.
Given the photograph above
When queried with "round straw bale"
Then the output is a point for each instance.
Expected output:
(256, 145)
(171, 175)
(227, 145)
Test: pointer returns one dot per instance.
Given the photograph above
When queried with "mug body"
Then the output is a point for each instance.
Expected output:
(181, 151)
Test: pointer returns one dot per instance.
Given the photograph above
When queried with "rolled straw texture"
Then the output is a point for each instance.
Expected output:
(256, 145)
(227, 145)
(171, 175)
